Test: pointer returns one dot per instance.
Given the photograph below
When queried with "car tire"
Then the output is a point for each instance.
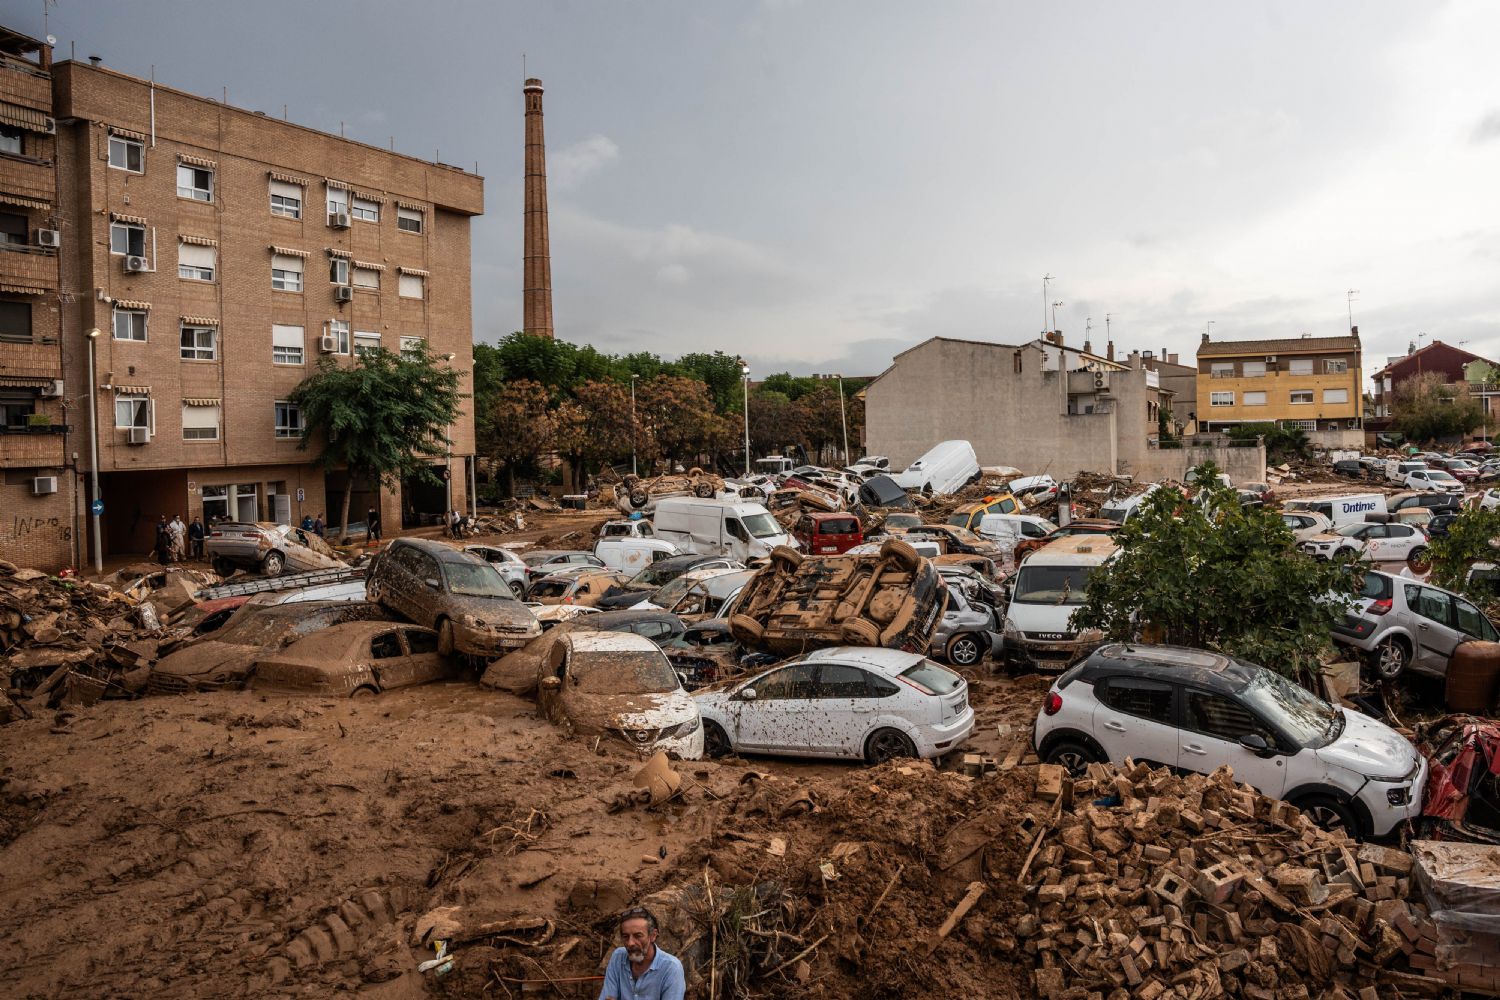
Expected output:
(746, 630)
(372, 591)
(861, 632)
(1417, 557)
(704, 491)
(1072, 755)
(445, 637)
(888, 744)
(1391, 658)
(515, 588)
(786, 558)
(694, 472)
(1330, 814)
(900, 552)
(964, 650)
(639, 498)
(715, 741)
(223, 566)
(273, 564)
(363, 692)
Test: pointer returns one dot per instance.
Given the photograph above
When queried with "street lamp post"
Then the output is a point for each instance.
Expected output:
(93, 389)
(633, 432)
(448, 460)
(745, 371)
(843, 422)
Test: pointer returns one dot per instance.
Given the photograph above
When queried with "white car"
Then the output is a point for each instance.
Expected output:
(1197, 711)
(857, 702)
(1490, 500)
(1369, 541)
(1433, 481)
(1306, 523)
(507, 563)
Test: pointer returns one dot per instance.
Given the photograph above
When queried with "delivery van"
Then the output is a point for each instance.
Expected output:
(739, 529)
(947, 468)
(1347, 509)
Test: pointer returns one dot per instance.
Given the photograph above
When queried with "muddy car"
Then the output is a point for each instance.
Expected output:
(519, 671)
(704, 654)
(457, 594)
(894, 598)
(621, 685)
(583, 588)
(1462, 797)
(956, 540)
(355, 659)
(636, 494)
(267, 548)
(660, 573)
(226, 658)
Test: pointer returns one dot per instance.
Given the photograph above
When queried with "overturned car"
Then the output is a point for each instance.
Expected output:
(636, 494)
(894, 599)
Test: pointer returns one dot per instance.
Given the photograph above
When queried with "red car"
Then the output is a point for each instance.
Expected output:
(1463, 471)
(828, 534)
(1462, 797)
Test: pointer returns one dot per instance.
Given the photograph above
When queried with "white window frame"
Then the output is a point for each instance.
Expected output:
(338, 270)
(197, 272)
(1252, 369)
(1253, 399)
(288, 353)
(1335, 366)
(362, 342)
(284, 204)
(338, 200)
(412, 348)
(282, 277)
(124, 145)
(191, 190)
(1294, 401)
(338, 329)
(1301, 425)
(213, 436)
(1221, 369)
(291, 427)
(1221, 399)
(197, 352)
(364, 209)
(145, 410)
(143, 315)
(404, 216)
(371, 276)
(129, 229)
(1300, 366)
(405, 283)
(1335, 396)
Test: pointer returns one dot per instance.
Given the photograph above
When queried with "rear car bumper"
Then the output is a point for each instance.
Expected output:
(945, 737)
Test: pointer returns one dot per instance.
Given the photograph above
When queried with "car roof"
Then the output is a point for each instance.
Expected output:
(1176, 664)
(441, 551)
(609, 642)
(1074, 549)
(328, 644)
(890, 662)
(604, 619)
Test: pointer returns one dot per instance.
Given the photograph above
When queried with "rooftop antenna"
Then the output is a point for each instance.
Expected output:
(1209, 329)
(1107, 317)
(1352, 293)
(1046, 278)
(1054, 316)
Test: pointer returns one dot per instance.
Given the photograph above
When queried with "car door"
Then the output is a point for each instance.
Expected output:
(1135, 719)
(779, 716)
(388, 660)
(845, 709)
(1435, 628)
(419, 664)
(1399, 541)
(1212, 726)
(399, 580)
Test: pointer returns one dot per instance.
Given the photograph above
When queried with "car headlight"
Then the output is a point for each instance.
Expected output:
(1010, 630)
(688, 728)
(1091, 635)
(469, 621)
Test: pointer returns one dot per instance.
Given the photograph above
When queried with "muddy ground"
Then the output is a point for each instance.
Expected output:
(179, 846)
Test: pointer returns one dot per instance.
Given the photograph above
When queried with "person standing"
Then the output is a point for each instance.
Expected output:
(178, 530)
(318, 527)
(372, 525)
(196, 535)
(638, 969)
(163, 540)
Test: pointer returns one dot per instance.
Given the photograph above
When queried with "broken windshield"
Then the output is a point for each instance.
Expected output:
(620, 672)
(761, 525)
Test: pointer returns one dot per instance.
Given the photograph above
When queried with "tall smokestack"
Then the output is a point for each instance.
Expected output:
(537, 279)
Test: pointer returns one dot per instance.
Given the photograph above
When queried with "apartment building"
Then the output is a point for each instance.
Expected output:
(38, 503)
(1453, 364)
(1312, 383)
(217, 254)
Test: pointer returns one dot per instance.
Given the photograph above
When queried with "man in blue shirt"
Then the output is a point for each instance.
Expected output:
(639, 970)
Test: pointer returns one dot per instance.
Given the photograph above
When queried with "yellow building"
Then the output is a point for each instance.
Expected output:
(1309, 382)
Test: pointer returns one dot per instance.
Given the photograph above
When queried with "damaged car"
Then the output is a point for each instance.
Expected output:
(519, 671)
(1462, 798)
(354, 660)
(621, 685)
(660, 573)
(583, 588)
(637, 494)
(455, 593)
(893, 599)
(268, 549)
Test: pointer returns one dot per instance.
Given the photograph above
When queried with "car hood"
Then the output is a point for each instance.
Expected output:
(1370, 748)
(1324, 536)
(492, 611)
(599, 712)
(202, 658)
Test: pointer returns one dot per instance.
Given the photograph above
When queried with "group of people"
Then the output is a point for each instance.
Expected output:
(319, 527)
(177, 540)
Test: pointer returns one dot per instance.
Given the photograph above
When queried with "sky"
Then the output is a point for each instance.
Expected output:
(817, 186)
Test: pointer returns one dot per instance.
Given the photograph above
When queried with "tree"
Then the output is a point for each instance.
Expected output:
(593, 427)
(676, 417)
(1470, 539)
(518, 427)
(722, 375)
(384, 418)
(1282, 443)
(1214, 575)
(1427, 408)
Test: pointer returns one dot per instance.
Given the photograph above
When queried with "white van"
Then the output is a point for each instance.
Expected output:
(947, 468)
(1122, 509)
(1006, 530)
(1047, 589)
(736, 528)
(1396, 470)
(631, 546)
(1347, 509)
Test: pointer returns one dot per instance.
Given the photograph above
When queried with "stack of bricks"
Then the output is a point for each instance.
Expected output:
(1153, 886)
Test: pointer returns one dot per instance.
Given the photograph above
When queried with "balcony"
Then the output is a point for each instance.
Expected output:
(30, 448)
(25, 83)
(28, 176)
(33, 266)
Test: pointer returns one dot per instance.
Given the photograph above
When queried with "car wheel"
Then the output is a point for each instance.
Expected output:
(223, 566)
(786, 558)
(1072, 755)
(1330, 814)
(517, 589)
(273, 564)
(859, 632)
(363, 692)
(964, 650)
(900, 552)
(888, 744)
(639, 498)
(445, 637)
(746, 630)
(715, 740)
(1417, 556)
(372, 591)
(704, 491)
(1392, 657)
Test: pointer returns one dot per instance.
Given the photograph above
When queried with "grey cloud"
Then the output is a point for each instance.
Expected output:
(1488, 128)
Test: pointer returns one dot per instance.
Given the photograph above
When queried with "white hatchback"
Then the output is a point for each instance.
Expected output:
(1369, 541)
(849, 701)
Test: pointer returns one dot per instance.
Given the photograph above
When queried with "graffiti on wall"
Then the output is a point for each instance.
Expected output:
(23, 527)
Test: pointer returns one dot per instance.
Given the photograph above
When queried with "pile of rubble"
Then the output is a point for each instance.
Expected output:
(1155, 886)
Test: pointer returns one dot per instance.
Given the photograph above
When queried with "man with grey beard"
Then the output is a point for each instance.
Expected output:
(639, 970)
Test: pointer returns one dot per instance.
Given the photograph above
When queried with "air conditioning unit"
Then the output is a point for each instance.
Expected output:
(1270, 359)
(338, 220)
(343, 293)
(53, 391)
(140, 435)
(1352, 425)
(1101, 380)
(42, 485)
(328, 343)
(135, 264)
(48, 238)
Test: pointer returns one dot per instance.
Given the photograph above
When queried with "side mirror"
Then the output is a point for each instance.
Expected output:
(1256, 744)
(748, 694)
(432, 583)
(551, 683)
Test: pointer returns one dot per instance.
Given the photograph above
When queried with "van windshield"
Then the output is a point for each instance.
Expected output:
(761, 525)
(1051, 584)
(1115, 514)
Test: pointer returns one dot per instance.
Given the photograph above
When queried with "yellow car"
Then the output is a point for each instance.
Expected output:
(969, 515)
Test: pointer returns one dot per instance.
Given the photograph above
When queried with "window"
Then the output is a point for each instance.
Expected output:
(385, 646)
(1335, 395)
(338, 200)
(338, 270)
(13, 228)
(11, 140)
(196, 262)
(199, 343)
(366, 277)
(338, 329)
(196, 183)
(16, 408)
(1255, 399)
(286, 344)
(286, 200)
(365, 210)
(794, 682)
(410, 286)
(200, 423)
(1301, 425)
(130, 324)
(1335, 366)
(1221, 399)
(133, 412)
(286, 273)
(366, 343)
(1300, 366)
(412, 348)
(1430, 604)
(288, 420)
(127, 238)
(127, 154)
(1253, 369)
(15, 322)
(1300, 396)
(1471, 621)
(1141, 698)
(408, 220)
(1222, 369)
(1219, 717)
(420, 641)
(836, 680)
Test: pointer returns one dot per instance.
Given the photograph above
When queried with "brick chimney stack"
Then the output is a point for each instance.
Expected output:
(537, 277)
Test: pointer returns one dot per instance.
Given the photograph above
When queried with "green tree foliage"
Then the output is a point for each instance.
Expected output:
(593, 427)
(1282, 443)
(676, 419)
(384, 418)
(1471, 538)
(1217, 576)
(1427, 409)
(721, 373)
